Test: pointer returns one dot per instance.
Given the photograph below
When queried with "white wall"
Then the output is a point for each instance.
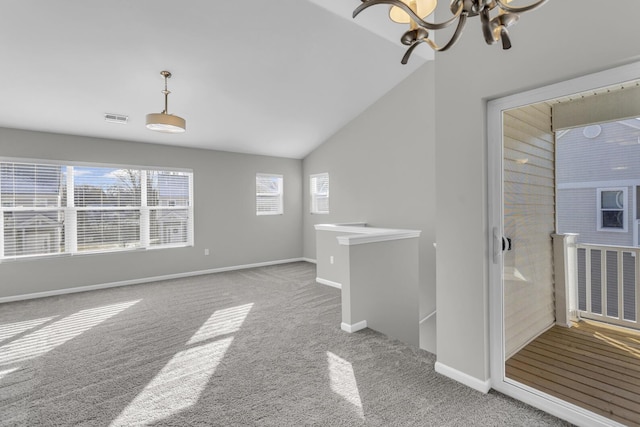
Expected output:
(561, 40)
(224, 212)
(381, 170)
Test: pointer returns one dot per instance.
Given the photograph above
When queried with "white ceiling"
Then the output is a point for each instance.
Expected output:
(266, 77)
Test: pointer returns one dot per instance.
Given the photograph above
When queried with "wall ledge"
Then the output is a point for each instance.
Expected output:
(359, 235)
(142, 280)
(381, 236)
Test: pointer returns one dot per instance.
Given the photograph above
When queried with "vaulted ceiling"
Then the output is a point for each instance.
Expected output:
(264, 77)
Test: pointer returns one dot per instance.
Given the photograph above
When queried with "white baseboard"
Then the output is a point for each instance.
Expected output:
(143, 280)
(428, 316)
(353, 328)
(312, 261)
(461, 377)
(329, 283)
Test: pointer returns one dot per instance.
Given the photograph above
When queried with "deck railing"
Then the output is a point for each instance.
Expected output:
(607, 283)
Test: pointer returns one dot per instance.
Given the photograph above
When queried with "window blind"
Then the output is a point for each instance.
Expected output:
(319, 193)
(269, 194)
(32, 197)
(108, 209)
(168, 198)
(107, 202)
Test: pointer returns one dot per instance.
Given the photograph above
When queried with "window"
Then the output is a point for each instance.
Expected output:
(612, 209)
(319, 193)
(269, 194)
(51, 209)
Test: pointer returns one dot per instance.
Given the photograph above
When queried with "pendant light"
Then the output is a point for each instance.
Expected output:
(165, 122)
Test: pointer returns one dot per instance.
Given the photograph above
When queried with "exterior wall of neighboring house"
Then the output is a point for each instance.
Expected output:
(578, 213)
(590, 160)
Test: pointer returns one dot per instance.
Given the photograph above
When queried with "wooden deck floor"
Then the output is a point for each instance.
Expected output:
(591, 365)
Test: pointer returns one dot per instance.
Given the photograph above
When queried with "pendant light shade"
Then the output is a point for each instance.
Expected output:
(422, 8)
(165, 122)
(168, 123)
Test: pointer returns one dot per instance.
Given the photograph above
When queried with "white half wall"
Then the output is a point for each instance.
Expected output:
(382, 171)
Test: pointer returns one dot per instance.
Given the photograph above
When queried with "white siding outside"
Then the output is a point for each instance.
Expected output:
(529, 220)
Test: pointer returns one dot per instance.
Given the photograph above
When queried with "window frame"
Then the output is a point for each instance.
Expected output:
(69, 210)
(314, 195)
(279, 195)
(600, 210)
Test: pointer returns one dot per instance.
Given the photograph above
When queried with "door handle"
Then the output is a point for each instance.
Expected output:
(506, 244)
(496, 245)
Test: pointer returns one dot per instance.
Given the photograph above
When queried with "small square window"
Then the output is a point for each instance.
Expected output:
(612, 209)
(269, 194)
(319, 184)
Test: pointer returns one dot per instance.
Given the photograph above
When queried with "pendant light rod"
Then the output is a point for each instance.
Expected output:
(166, 91)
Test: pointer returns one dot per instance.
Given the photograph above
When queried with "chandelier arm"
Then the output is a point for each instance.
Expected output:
(487, 31)
(456, 35)
(511, 9)
(454, 38)
(504, 36)
(431, 26)
(409, 51)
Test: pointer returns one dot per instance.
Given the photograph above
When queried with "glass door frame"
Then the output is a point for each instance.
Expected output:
(495, 108)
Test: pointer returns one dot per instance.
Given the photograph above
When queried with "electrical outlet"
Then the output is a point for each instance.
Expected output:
(331, 259)
(206, 251)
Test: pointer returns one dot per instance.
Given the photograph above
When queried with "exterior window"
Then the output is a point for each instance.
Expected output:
(269, 194)
(319, 193)
(612, 209)
(33, 198)
(169, 208)
(49, 209)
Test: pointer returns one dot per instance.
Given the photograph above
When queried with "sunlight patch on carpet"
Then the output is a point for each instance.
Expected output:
(177, 386)
(222, 322)
(4, 373)
(180, 383)
(12, 329)
(343, 381)
(54, 335)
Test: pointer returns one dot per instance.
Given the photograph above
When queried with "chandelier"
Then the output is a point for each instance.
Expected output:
(413, 12)
(165, 122)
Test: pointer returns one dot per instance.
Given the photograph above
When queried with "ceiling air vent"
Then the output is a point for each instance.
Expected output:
(116, 118)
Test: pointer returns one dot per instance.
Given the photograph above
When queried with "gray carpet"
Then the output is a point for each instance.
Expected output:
(259, 347)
